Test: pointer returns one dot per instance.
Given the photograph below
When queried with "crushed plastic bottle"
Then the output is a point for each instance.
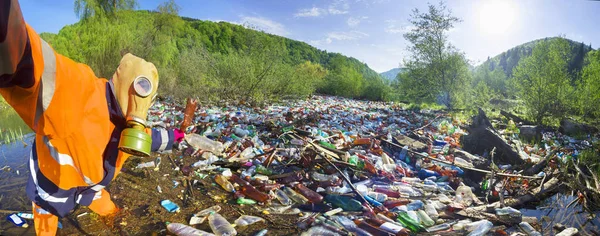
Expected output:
(220, 226)
(528, 229)
(245, 220)
(481, 228)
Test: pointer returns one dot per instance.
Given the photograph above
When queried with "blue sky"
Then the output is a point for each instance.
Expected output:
(371, 30)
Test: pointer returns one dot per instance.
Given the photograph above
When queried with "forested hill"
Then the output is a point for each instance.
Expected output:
(218, 60)
(508, 60)
(390, 75)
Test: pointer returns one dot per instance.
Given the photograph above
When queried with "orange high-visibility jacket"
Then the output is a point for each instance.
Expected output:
(74, 115)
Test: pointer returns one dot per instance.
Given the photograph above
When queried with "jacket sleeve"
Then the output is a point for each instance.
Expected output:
(162, 139)
(16, 62)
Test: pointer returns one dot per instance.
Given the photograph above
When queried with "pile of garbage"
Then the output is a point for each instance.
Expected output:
(355, 167)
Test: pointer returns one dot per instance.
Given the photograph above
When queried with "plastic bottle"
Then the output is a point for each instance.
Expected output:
(220, 226)
(462, 162)
(380, 197)
(249, 172)
(188, 116)
(350, 226)
(245, 220)
(27, 216)
(528, 229)
(207, 211)
(146, 165)
(296, 197)
(185, 230)
(395, 202)
(568, 232)
(282, 197)
(224, 183)
(464, 195)
(319, 230)
(482, 228)
(311, 195)
(372, 201)
(425, 219)
(322, 177)
(387, 192)
(253, 193)
(424, 173)
(344, 202)
(263, 170)
(509, 213)
(394, 228)
(312, 207)
(415, 205)
(410, 223)
(245, 201)
(431, 211)
(403, 154)
(262, 232)
(439, 227)
(200, 142)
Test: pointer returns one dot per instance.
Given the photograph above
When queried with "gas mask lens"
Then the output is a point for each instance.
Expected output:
(142, 86)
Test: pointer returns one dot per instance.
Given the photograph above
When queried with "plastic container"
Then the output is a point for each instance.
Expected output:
(188, 116)
(185, 230)
(344, 202)
(311, 195)
(410, 223)
(296, 197)
(200, 142)
(224, 183)
(169, 206)
(528, 229)
(253, 193)
(245, 220)
(425, 220)
(282, 197)
(16, 220)
(482, 228)
(220, 226)
(415, 205)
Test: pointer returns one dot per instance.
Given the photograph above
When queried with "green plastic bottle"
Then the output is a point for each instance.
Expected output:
(409, 223)
(263, 170)
(327, 145)
(245, 201)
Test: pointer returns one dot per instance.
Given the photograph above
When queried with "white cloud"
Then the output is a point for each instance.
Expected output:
(312, 12)
(339, 7)
(340, 36)
(393, 28)
(352, 21)
(264, 24)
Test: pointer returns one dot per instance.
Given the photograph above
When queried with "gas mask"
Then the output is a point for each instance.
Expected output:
(135, 84)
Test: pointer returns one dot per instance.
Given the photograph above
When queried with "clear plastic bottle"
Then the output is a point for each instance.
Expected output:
(200, 142)
(425, 219)
(184, 230)
(245, 220)
(482, 228)
(296, 197)
(431, 211)
(282, 197)
(464, 195)
(528, 229)
(220, 226)
(439, 227)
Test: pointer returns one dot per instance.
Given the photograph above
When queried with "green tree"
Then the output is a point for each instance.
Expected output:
(589, 87)
(436, 69)
(543, 79)
(85, 9)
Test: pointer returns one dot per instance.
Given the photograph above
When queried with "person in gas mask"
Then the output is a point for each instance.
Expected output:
(85, 127)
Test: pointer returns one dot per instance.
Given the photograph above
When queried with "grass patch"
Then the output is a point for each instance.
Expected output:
(12, 127)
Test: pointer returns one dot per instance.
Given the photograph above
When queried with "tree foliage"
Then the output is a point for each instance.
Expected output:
(213, 60)
(543, 80)
(436, 70)
(589, 87)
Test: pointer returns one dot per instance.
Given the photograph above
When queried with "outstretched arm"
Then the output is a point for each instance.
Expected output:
(16, 63)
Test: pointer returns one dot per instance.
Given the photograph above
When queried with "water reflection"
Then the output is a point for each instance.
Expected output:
(556, 209)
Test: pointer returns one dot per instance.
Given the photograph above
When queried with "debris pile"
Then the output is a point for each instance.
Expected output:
(344, 167)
